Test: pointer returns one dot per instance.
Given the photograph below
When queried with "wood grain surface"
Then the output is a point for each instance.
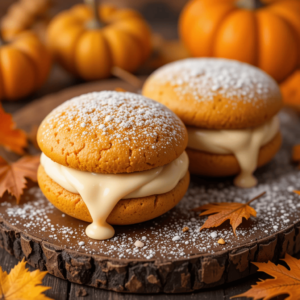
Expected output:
(64, 290)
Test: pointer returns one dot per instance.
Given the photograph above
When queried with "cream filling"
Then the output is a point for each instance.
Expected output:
(243, 143)
(101, 192)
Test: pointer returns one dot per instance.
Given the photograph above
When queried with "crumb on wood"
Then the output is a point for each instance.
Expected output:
(185, 229)
(221, 242)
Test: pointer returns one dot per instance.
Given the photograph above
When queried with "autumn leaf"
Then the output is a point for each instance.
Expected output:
(235, 212)
(285, 281)
(11, 138)
(21, 284)
(12, 176)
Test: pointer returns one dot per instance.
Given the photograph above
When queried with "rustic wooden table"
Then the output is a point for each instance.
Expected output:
(64, 290)
(58, 80)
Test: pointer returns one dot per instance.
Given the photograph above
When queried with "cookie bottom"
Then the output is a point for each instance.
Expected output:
(215, 165)
(127, 211)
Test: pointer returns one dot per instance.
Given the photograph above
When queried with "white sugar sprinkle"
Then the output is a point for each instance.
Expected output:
(108, 118)
(205, 78)
(129, 119)
(277, 210)
(213, 234)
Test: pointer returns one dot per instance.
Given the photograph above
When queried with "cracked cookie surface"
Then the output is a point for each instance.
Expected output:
(112, 132)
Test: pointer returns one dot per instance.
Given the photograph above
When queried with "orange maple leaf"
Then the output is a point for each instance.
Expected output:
(235, 212)
(284, 282)
(11, 138)
(12, 176)
(21, 284)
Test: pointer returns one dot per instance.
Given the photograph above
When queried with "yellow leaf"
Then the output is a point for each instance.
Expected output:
(21, 284)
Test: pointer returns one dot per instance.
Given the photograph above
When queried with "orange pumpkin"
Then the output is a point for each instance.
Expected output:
(89, 45)
(267, 37)
(25, 64)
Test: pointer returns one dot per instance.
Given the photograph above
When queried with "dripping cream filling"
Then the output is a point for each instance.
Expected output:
(101, 192)
(244, 144)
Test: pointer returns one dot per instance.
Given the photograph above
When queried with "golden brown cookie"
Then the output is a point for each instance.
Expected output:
(215, 93)
(112, 132)
(127, 211)
(215, 165)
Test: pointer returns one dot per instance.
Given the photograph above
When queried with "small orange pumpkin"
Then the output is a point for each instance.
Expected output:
(267, 37)
(25, 64)
(89, 44)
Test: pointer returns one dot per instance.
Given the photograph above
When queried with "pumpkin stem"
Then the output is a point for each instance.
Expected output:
(249, 4)
(95, 22)
(127, 77)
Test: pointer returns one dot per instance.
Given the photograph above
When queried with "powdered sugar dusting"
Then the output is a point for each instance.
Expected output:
(119, 117)
(163, 238)
(205, 78)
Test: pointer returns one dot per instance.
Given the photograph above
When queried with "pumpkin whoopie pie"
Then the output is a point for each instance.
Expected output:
(113, 157)
(229, 109)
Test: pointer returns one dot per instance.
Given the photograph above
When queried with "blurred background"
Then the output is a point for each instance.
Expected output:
(139, 37)
(162, 15)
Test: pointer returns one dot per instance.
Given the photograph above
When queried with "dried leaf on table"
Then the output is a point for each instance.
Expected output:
(221, 212)
(11, 138)
(285, 281)
(21, 284)
(13, 176)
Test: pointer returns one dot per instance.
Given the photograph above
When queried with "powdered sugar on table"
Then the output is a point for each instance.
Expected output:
(163, 237)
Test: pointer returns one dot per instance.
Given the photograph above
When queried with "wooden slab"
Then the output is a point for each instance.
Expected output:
(171, 261)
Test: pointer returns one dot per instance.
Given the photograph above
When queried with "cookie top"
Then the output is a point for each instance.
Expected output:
(112, 132)
(215, 93)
